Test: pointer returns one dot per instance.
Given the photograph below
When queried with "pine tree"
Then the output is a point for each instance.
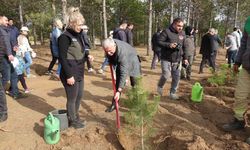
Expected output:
(141, 111)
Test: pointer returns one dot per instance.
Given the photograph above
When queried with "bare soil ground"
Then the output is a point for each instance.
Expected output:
(180, 125)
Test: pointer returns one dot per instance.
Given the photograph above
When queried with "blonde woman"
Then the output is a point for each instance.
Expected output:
(25, 49)
(72, 57)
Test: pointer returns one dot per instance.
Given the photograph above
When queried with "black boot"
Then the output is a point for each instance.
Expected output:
(3, 117)
(80, 120)
(235, 125)
(76, 124)
(111, 107)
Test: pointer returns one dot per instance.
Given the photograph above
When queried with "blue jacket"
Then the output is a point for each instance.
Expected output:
(56, 32)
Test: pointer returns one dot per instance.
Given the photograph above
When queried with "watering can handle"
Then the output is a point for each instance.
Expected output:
(197, 84)
(52, 118)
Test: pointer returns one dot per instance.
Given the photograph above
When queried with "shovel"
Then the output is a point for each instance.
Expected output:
(116, 100)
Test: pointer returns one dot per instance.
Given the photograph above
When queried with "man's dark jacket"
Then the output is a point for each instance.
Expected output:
(155, 45)
(168, 36)
(120, 34)
(208, 46)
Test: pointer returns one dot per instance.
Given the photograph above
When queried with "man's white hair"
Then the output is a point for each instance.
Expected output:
(108, 42)
(211, 30)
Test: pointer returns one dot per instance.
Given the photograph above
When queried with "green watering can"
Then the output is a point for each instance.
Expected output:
(197, 92)
(51, 129)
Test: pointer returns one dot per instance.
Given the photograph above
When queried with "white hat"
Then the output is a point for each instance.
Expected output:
(24, 28)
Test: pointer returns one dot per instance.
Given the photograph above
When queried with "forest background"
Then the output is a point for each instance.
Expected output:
(103, 16)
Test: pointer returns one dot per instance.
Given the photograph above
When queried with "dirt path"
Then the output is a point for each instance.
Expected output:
(180, 124)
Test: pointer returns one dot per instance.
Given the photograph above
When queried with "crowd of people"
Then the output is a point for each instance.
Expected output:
(174, 46)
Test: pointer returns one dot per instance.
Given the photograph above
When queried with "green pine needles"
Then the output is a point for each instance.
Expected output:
(221, 77)
(141, 112)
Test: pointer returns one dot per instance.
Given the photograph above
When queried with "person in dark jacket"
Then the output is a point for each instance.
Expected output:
(14, 32)
(129, 34)
(207, 50)
(9, 75)
(156, 48)
(124, 57)
(5, 49)
(189, 51)
(72, 56)
(172, 41)
(87, 46)
(119, 32)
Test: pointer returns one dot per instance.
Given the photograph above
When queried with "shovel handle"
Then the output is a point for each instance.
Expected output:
(116, 100)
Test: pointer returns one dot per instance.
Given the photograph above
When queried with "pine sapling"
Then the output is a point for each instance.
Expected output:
(141, 111)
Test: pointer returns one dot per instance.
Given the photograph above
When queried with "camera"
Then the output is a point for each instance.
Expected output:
(178, 46)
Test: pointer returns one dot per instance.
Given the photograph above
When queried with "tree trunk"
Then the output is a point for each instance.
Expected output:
(179, 9)
(104, 18)
(188, 12)
(93, 30)
(101, 25)
(21, 13)
(34, 35)
(227, 20)
(41, 37)
(236, 13)
(144, 32)
(149, 27)
(193, 16)
(80, 4)
(64, 9)
(211, 19)
(172, 12)
(53, 5)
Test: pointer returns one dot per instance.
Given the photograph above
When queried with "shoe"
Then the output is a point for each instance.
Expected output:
(3, 117)
(248, 140)
(20, 96)
(100, 71)
(235, 125)
(49, 72)
(27, 91)
(57, 77)
(188, 78)
(7, 86)
(159, 90)
(173, 96)
(111, 107)
(80, 120)
(76, 124)
(30, 76)
(90, 70)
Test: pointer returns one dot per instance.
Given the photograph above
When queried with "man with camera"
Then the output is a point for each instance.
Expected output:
(172, 40)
